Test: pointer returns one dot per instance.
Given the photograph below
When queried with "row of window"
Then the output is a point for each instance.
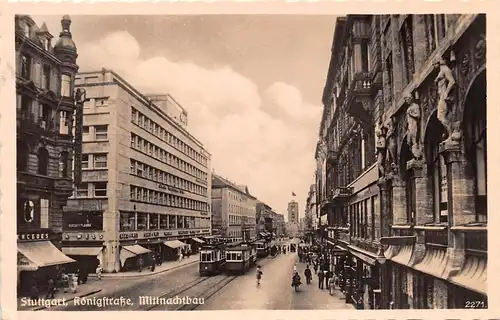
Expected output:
(153, 221)
(93, 133)
(42, 160)
(239, 220)
(239, 210)
(212, 256)
(92, 190)
(144, 122)
(26, 72)
(362, 213)
(165, 199)
(162, 155)
(148, 172)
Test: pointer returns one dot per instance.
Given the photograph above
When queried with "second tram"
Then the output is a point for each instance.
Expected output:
(212, 259)
(238, 259)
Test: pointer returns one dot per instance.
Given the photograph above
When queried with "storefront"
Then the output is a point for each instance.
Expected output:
(37, 261)
(174, 249)
(131, 256)
(365, 278)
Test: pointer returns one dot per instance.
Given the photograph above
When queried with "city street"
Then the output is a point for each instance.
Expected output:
(220, 292)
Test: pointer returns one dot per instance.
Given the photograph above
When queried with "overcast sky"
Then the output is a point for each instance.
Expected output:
(252, 85)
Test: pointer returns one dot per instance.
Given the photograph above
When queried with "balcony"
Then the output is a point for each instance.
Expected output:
(64, 185)
(358, 102)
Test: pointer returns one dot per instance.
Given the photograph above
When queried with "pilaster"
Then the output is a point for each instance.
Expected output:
(398, 201)
(385, 208)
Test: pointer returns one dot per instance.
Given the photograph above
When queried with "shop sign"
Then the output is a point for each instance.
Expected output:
(175, 190)
(151, 234)
(156, 234)
(82, 236)
(162, 186)
(33, 236)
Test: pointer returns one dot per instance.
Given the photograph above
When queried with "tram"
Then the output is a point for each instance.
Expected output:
(262, 248)
(212, 259)
(253, 251)
(238, 259)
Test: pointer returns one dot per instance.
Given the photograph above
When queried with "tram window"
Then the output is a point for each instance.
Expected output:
(205, 257)
(238, 256)
(213, 255)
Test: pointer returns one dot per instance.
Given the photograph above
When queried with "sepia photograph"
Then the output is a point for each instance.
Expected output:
(251, 162)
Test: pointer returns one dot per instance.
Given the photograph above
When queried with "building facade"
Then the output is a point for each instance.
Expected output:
(45, 106)
(410, 229)
(293, 211)
(233, 211)
(145, 179)
(278, 223)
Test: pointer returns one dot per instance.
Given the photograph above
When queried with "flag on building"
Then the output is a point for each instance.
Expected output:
(293, 194)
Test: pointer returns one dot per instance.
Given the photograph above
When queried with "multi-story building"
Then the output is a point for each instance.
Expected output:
(410, 230)
(145, 181)
(233, 210)
(310, 213)
(278, 224)
(293, 211)
(264, 215)
(45, 106)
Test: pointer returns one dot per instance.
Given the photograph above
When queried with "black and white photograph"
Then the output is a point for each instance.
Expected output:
(250, 162)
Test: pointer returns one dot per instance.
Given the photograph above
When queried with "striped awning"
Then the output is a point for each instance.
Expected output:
(34, 255)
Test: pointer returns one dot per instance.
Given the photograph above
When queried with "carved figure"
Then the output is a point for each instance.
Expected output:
(381, 145)
(445, 83)
(413, 115)
(391, 141)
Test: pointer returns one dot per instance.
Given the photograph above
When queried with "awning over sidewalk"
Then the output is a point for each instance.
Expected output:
(262, 234)
(363, 255)
(473, 275)
(198, 240)
(82, 251)
(174, 244)
(131, 251)
(34, 255)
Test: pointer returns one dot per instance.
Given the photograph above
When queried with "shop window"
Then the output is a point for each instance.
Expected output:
(164, 222)
(127, 221)
(22, 156)
(101, 132)
(28, 211)
(172, 222)
(142, 221)
(180, 222)
(43, 161)
(82, 190)
(153, 221)
(64, 164)
(100, 189)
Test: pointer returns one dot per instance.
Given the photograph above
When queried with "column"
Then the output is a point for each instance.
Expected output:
(384, 216)
(424, 210)
(398, 201)
(461, 200)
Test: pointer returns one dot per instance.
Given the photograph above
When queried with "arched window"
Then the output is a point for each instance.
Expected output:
(475, 131)
(63, 164)
(43, 161)
(436, 168)
(22, 156)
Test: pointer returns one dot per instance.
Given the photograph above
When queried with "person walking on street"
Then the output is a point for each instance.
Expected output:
(98, 271)
(51, 289)
(327, 279)
(295, 268)
(315, 267)
(321, 277)
(308, 275)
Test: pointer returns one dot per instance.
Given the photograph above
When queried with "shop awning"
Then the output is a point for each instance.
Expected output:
(404, 255)
(174, 244)
(362, 255)
(262, 234)
(34, 255)
(433, 263)
(198, 240)
(82, 251)
(131, 251)
(473, 274)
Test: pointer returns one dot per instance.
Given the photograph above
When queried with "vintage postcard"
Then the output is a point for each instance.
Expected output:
(334, 161)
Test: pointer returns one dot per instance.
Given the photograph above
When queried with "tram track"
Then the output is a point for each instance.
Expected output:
(175, 292)
(207, 294)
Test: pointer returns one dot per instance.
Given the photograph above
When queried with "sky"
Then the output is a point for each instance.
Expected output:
(252, 86)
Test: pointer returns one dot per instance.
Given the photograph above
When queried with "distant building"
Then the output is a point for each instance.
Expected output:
(293, 211)
(233, 210)
(145, 179)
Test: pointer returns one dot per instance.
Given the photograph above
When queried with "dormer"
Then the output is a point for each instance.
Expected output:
(45, 37)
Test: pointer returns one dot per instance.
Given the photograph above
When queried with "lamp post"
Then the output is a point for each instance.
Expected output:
(381, 295)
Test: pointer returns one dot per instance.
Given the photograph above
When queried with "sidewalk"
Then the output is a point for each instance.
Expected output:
(90, 288)
(165, 266)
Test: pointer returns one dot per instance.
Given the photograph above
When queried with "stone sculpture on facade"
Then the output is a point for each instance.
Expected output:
(445, 83)
(413, 115)
(391, 142)
(381, 145)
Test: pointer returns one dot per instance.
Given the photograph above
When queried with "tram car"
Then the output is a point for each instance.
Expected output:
(262, 248)
(238, 259)
(253, 252)
(212, 259)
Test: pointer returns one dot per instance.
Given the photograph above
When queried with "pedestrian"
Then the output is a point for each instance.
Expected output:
(34, 293)
(98, 271)
(140, 264)
(51, 289)
(327, 278)
(180, 256)
(153, 265)
(73, 283)
(295, 268)
(315, 267)
(308, 275)
(65, 281)
(321, 277)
